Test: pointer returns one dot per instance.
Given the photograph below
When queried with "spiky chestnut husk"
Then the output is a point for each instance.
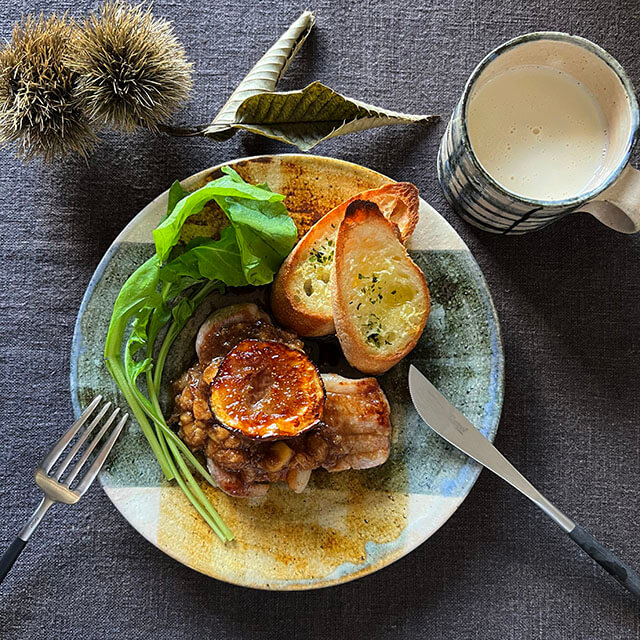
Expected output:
(39, 111)
(132, 69)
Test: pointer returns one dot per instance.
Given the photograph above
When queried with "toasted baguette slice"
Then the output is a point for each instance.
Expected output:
(380, 297)
(301, 294)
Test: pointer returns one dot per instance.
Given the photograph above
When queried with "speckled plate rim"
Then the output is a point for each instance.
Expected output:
(496, 386)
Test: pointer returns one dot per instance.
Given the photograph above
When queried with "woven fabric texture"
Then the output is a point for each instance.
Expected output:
(567, 298)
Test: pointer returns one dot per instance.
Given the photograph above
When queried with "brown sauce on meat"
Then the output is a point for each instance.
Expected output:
(240, 462)
(219, 343)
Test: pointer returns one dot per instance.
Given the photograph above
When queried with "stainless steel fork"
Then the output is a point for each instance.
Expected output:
(50, 480)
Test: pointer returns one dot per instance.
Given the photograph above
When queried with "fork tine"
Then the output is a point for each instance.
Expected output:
(81, 440)
(94, 469)
(92, 445)
(54, 454)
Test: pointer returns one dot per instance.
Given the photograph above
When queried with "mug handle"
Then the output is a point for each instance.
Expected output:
(618, 207)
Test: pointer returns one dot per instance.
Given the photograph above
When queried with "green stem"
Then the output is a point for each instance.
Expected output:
(191, 459)
(162, 426)
(114, 365)
(166, 446)
(148, 409)
(171, 335)
(150, 387)
(174, 331)
(195, 502)
(169, 440)
(221, 528)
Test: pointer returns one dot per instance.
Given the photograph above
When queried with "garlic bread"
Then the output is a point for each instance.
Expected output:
(301, 294)
(380, 298)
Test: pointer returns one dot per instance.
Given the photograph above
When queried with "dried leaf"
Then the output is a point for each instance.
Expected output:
(308, 116)
(264, 76)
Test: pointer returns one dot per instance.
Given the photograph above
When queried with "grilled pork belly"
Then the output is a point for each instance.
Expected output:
(354, 432)
(357, 413)
(228, 326)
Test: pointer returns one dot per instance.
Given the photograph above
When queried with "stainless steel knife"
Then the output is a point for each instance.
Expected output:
(449, 423)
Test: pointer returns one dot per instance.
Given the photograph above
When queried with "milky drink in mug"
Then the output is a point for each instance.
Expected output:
(538, 132)
(545, 127)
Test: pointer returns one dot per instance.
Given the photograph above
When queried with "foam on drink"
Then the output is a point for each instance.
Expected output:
(538, 132)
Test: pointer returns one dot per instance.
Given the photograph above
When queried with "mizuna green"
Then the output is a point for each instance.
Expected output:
(164, 292)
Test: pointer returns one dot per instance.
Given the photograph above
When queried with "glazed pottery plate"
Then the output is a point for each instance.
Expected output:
(344, 525)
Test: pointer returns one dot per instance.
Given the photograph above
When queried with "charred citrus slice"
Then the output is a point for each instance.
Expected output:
(267, 389)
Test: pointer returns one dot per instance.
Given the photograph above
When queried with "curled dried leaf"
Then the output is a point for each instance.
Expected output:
(264, 76)
(313, 114)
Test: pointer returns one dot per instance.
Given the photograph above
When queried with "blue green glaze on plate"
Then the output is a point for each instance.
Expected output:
(344, 525)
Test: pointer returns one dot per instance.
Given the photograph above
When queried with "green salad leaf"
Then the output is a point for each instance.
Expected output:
(176, 193)
(265, 234)
(160, 297)
(137, 342)
(210, 259)
(140, 288)
(167, 233)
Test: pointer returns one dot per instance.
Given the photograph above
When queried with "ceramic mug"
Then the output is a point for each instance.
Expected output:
(613, 196)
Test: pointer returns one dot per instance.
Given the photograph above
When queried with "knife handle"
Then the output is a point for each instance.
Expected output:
(608, 560)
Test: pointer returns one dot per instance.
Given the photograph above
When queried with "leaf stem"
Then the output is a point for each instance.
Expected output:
(114, 365)
(196, 503)
(182, 132)
(170, 444)
(220, 527)
(172, 334)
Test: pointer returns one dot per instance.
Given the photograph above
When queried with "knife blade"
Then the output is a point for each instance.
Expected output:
(456, 429)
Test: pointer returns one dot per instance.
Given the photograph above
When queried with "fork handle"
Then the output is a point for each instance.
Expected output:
(10, 556)
(16, 547)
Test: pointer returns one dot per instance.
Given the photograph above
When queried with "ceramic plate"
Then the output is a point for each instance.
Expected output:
(344, 525)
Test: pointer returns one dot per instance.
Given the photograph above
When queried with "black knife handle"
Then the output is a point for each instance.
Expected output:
(10, 556)
(608, 560)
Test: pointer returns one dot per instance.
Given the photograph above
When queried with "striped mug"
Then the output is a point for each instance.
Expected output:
(543, 92)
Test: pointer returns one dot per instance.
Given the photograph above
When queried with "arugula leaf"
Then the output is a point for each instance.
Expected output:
(167, 233)
(176, 193)
(210, 259)
(182, 312)
(139, 290)
(137, 341)
(163, 294)
(265, 235)
(234, 175)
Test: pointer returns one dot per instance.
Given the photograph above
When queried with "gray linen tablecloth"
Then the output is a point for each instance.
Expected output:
(567, 297)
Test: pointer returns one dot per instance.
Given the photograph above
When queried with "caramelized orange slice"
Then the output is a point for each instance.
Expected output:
(267, 389)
